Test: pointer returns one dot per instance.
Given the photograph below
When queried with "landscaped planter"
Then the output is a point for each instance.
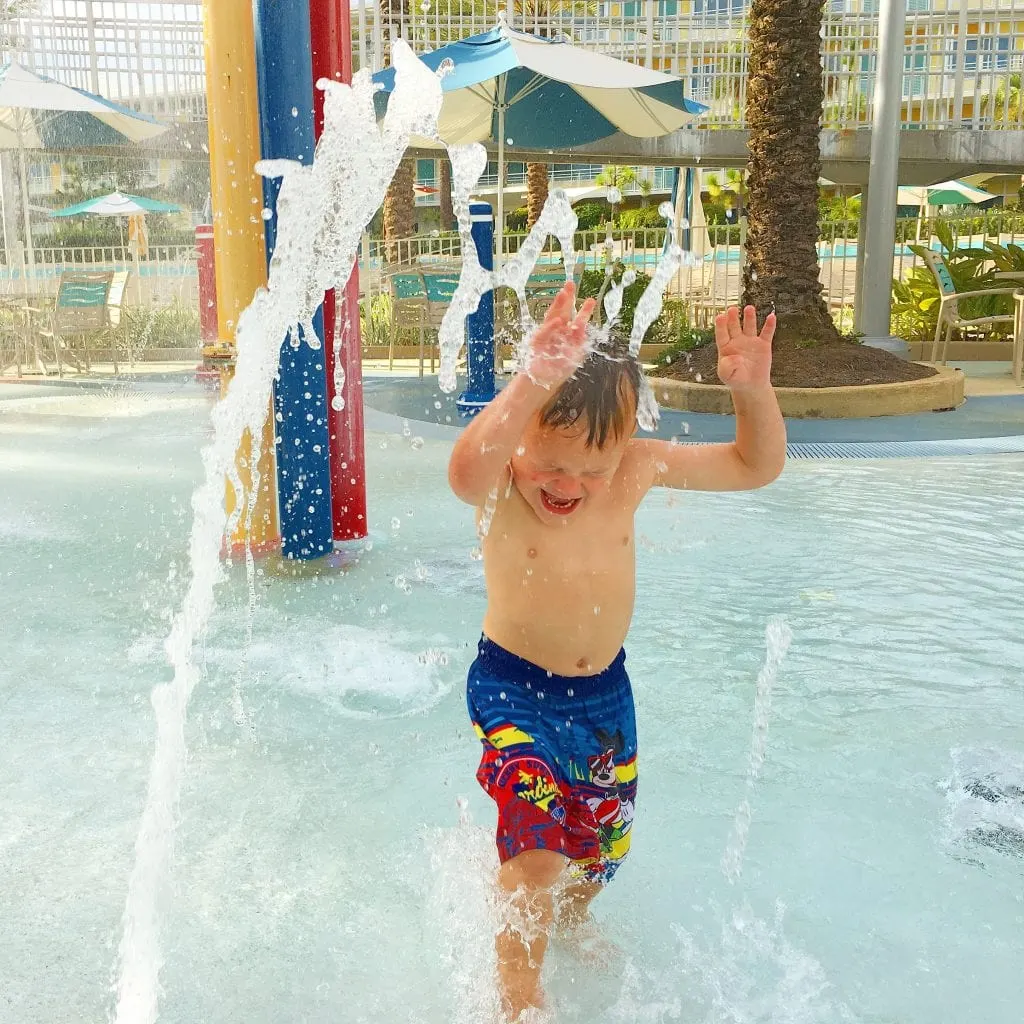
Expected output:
(943, 391)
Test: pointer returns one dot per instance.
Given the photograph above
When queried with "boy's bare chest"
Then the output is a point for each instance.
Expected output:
(600, 545)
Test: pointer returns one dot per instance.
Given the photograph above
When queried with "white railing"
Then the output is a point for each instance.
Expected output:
(145, 55)
(715, 281)
(960, 53)
(166, 276)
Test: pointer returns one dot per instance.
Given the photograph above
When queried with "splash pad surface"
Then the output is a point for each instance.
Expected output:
(321, 870)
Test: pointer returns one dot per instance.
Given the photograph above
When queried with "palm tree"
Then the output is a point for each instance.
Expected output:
(1005, 105)
(646, 187)
(444, 187)
(399, 210)
(618, 178)
(536, 191)
(784, 108)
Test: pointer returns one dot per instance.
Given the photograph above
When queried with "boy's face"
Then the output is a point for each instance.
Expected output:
(557, 474)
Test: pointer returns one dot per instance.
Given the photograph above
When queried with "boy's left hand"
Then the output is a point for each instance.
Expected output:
(744, 356)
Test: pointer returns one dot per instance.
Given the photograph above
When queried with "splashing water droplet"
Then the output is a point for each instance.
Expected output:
(267, 213)
(338, 403)
(667, 211)
(396, 523)
(416, 443)
(614, 195)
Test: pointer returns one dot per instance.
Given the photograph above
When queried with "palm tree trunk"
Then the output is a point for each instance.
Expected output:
(536, 192)
(399, 210)
(784, 106)
(444, 188)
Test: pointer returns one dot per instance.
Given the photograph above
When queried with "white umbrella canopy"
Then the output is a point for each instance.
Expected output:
(40, 113)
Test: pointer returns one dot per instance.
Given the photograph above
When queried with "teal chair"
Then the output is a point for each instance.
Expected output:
(81, 314)
(408, 309)
(951, 318)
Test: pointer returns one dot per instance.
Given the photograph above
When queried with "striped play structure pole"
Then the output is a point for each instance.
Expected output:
(284, 72)
(239, 255)
(480, 324)
(331, 37)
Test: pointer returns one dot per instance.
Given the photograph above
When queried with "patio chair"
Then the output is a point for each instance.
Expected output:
(951, 319)
(408, 309)
(440, 284)
(80, 315)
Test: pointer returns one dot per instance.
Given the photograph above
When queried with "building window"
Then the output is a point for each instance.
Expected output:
(426, 171)
(981, 53)
(719, 6)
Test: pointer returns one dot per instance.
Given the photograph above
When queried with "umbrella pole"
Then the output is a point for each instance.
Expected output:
(500, 227)
(30, 264)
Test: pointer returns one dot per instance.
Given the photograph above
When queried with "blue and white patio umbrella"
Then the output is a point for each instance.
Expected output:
(505, 86)
(40, 113)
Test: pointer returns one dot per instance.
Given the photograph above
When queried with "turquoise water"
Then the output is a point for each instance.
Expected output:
(321, 869)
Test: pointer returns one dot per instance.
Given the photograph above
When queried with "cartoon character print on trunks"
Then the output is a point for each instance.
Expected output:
(611, 805)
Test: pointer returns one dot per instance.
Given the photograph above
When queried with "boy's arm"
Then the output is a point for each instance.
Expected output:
(758, 454)
(486, 445)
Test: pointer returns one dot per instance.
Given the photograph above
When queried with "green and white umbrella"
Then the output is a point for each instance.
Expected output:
(945, 193)
(117, 204)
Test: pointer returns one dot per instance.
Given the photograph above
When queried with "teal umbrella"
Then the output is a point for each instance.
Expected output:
(117, 204)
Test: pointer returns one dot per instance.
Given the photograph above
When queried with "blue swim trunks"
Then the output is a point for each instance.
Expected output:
(559, 758)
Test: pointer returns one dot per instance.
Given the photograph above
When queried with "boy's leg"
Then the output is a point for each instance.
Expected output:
(572, 904)
(528, 878)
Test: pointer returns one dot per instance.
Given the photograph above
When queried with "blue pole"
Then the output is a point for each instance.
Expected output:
(480, 325)
(284, 71)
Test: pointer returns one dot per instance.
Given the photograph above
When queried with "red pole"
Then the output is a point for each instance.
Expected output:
(207, 285)
(331, 32)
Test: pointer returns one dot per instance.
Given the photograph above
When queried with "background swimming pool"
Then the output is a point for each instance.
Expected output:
(321, 869)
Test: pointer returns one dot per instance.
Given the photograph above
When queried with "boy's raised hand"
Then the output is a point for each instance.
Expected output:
(744, 356)
(559, 345)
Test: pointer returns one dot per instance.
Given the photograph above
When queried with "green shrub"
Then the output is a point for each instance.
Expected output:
(590, 215)
(375, 320)
(175, 326)
(641, 217)
(516, 220)
(915, 310)
(673, 325)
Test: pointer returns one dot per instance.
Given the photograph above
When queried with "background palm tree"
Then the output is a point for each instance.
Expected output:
(784, 108)
(444, 188)
(536, 191)
(1005, 104)
(399, 210)
(614, 176)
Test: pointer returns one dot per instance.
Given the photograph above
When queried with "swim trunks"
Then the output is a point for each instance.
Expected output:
(559, 758)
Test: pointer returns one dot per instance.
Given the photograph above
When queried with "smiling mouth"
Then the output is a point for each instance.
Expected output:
(558, 506)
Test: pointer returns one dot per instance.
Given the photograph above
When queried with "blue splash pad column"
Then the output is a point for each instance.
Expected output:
(284, 70)
(480, 325)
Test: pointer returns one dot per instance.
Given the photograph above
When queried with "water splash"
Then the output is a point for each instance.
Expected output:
(985, 800)
(778, 637)
(322, 210)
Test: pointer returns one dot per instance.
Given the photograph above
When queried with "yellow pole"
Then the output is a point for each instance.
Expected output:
(239, 248)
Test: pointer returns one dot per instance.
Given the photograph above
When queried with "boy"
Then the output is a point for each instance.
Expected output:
(548, 694)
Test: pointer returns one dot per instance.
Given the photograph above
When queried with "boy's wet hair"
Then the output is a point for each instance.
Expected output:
(604, 392)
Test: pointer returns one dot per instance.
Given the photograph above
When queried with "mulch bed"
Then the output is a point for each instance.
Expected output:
(825, 365)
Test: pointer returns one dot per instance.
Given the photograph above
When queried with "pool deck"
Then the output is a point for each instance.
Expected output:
(990, 421)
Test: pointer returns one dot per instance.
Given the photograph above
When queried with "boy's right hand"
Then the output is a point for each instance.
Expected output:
(559, 345)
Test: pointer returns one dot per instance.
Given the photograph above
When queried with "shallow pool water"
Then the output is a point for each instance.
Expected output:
(324, 868)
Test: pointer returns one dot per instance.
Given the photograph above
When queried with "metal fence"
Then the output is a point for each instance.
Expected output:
(167, 275)
(960, 54)
(714, 279)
